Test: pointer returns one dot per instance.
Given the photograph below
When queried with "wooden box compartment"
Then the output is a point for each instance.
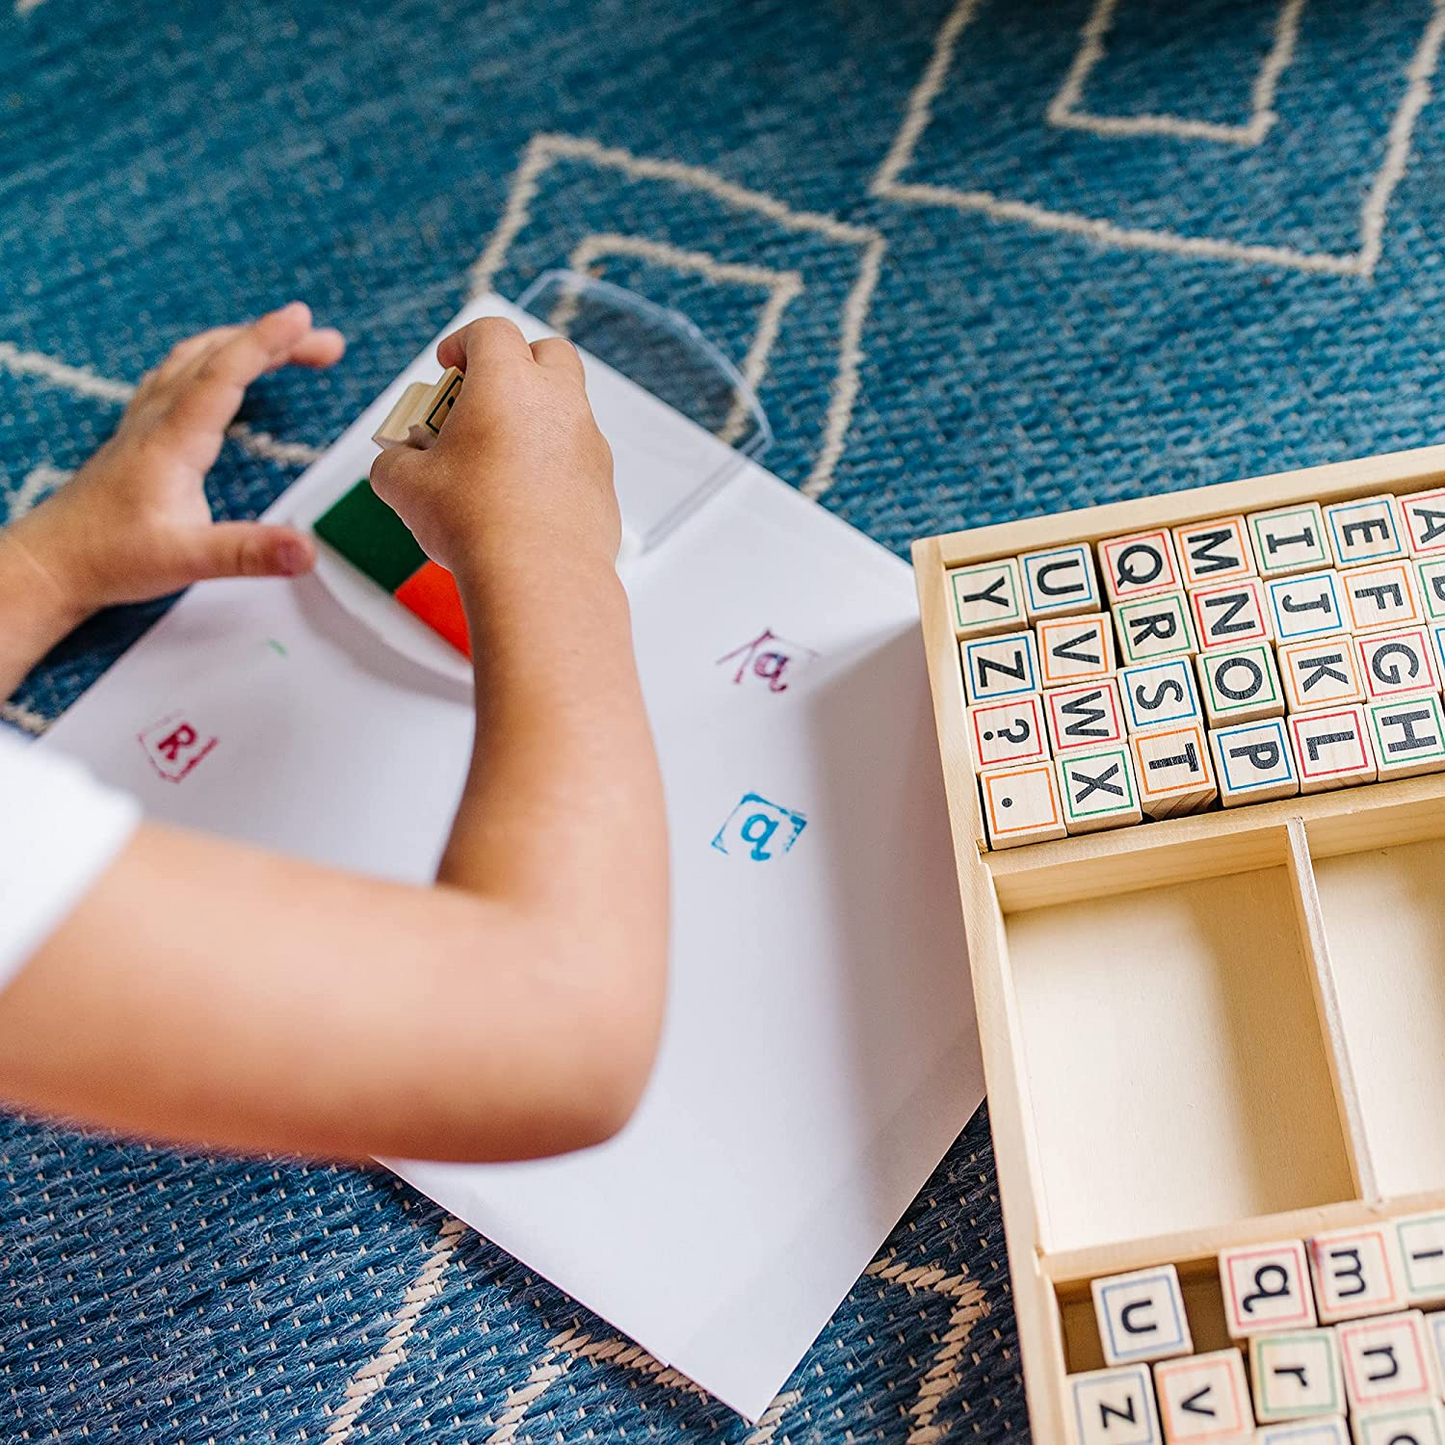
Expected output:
(1176, 1071)
(1215, 1030)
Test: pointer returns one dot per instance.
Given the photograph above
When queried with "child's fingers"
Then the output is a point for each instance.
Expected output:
(390, 470)
(321, 346)
(250, 549)
(556, 353)
(211, 395)
(487, 340)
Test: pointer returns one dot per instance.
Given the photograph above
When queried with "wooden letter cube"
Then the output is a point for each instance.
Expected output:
(1430, 575)
(1204, 1397)
(1172, 766)
(998, 667)
(1266, 1287)
(1229, 613)
(1381, 595)
(1423, 515)
(1021, 805)
(1012, 731)
(1396, 664)
(1420, 1423)
(1240, 684)
(1214, 551)
(1367, 530)
(1099, 790)
(1387, 1361)
(1253, 762)
(1075, 649)
(1141, 1316)
(1305, 1432)
(1289, 539)
(1325, 673)
(1421, 1238)
(1060, 582)
(1333, 748)
(1310, 605)
(986, 598)
(1296, 1375)
(1408, 736)
(1086, 716)
(1436, 1324)
(1158, 694)
(1115, 1407)
(1356, 1272)
(1138, 564)
(1153, 628)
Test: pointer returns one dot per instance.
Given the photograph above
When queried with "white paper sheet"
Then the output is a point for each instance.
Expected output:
(819, 1051)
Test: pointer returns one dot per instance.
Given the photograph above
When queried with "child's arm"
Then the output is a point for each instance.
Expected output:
(208, 992)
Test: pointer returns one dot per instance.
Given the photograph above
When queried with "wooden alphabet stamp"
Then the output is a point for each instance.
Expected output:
(1367, 530)
(1254, 763)
(1310, 605)
(1087, 715)
(1430, 579)
(1289, 539)
(1295, 1375)
(1099, 789)
(986, 598)
(1388, 1360)
(1153, 628)
(1419, 1423)
(1075, 649)
(1421, 1238)
(1333, 748)
(1141, 1316)
(1060, 582)
(1396, 664)
(1305, 1432)
(1173, 769)
(1229, 613)
(998, 667)
(1012, 731)
(1323, 673)
(1139, 564)
(1021, 805)
(1266, 1287)
(1408, 736)
(1423, 515)
(1214, 551)
(1240, 684)
(1356, 1272)
(1158, 694)
(1204, 1397)
(1381, 595)
(1115, 1407)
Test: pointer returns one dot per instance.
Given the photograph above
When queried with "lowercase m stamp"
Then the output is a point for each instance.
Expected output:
(759, 830)
(174, 746)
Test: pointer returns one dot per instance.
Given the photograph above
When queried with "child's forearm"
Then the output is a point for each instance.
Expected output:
(34, 613)
(563, 810)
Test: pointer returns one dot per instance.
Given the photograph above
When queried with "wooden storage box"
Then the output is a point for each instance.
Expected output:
(1204, 1031)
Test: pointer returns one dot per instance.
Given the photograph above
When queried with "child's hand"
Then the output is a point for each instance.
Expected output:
(134, 522)
(519, 462)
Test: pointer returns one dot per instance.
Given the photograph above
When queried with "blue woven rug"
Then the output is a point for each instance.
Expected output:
(1033, 256)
